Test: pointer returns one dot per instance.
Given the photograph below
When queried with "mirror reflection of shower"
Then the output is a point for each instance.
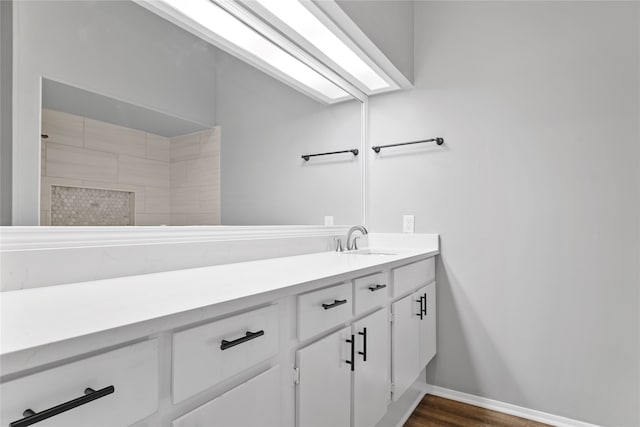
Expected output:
(107, 162)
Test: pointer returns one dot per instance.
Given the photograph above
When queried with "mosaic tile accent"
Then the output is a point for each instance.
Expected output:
(91, 206)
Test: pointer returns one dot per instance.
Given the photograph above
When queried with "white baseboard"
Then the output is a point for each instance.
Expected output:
(506, 408)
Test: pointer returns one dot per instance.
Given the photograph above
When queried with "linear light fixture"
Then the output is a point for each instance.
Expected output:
(236, 33)
(301, 20)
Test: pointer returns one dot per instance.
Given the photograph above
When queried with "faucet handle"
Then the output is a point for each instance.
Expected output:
(355, 243)
(338, 244)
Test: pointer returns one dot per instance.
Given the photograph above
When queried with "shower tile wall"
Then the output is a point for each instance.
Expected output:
(195, 178)
(81, 152)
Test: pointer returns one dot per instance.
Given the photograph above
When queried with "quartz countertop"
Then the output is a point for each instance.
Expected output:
(37, 317)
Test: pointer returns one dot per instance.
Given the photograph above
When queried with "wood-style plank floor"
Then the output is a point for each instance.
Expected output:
(434, 411)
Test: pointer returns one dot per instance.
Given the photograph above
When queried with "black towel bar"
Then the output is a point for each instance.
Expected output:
(353, 151)
(438, 141)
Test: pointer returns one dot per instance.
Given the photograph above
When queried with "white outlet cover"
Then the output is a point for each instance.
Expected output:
(408, 223)
(328, 220)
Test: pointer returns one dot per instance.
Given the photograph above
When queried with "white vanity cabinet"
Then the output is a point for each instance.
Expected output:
(410, 276)
(323, 309)
(207, 354)
(325, 392)
(413, 336)
(116, 388)
(371, 377)
(334, 352)
(370, 292)
(427, 325)
(324, 387)
(404, 332)
(254, 403)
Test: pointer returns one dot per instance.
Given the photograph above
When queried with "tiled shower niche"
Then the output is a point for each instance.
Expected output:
(91, 206)
(174, 180)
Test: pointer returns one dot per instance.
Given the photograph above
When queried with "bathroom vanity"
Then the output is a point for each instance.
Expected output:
(323, 339)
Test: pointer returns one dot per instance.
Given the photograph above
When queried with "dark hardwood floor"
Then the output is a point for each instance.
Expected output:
(434, 411)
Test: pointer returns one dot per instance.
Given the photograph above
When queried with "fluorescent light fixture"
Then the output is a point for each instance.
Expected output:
(225, 25)
(301, 20)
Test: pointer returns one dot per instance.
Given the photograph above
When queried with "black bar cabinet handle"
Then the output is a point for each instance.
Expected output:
(424, 310)
(377, 287)
(421, 313)
(248, 337)
(363, 353)
(352, 362)
(335, 303)
(32, 417)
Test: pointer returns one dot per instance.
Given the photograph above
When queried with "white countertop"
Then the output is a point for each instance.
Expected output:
(36, 317)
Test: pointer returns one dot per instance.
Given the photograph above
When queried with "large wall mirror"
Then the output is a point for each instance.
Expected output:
(135, 121)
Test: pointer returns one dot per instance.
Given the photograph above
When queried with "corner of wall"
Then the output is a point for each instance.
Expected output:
(6, 99)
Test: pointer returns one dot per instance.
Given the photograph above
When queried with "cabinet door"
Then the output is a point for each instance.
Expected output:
(255, 403)
(371, 379)
(404, 337)
(427, 332)
(324, 390)
(131, 374)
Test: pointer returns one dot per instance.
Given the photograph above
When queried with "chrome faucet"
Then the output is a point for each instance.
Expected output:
(354, 245)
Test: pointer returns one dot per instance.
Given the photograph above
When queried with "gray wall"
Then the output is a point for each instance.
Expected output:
(6, 38)
(389, 25)
(536, 196)
(265, 127)
(114, 48)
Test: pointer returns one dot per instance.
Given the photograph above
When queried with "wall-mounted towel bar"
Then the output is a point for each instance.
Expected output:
(353, 151)
(438, 141)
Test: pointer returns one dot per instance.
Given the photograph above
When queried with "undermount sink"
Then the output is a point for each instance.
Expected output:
(368, 252)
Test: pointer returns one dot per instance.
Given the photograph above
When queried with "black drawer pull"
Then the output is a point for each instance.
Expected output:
(421, 314)
(424, 310)
(334, 304)
(352, 362)
(248, 337)
(377, 287)
(32, 417)
(363, 353)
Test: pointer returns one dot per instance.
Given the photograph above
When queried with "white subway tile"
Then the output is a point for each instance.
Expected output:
(45, 218)
(200, 199)
(65, 161)
(152, 219)
(146, 172)
(158, 147)
(203, 171)
(212, 218)
(114, 139)
(62, 128)
(185, 147)
(210, 142)
(157, 200)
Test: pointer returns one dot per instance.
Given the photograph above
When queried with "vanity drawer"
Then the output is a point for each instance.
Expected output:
(323, 309)
(128, 378)
(370, 291)
(205, 355)
(409, 277)
(255, 403)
